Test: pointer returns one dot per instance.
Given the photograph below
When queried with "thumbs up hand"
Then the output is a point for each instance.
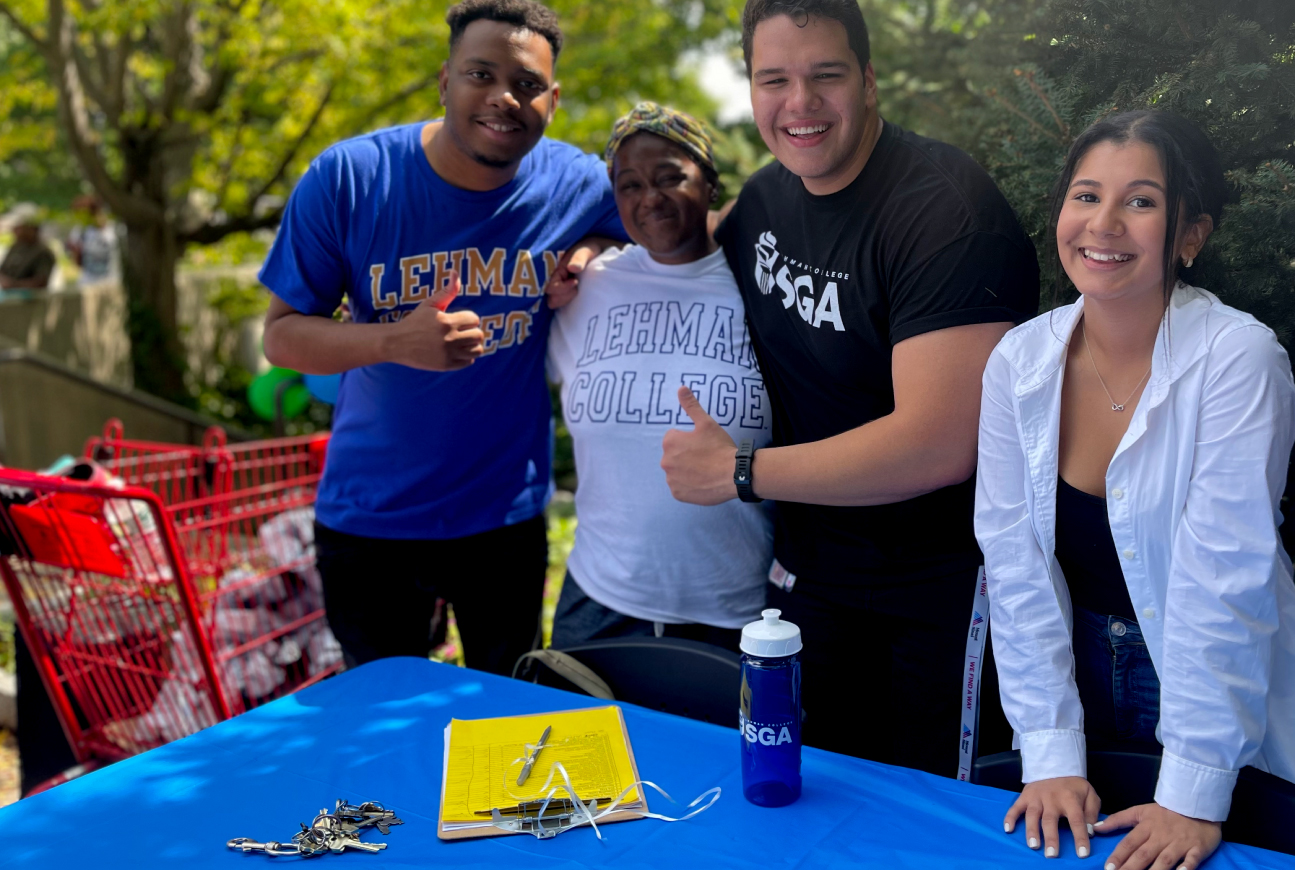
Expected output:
(699, 464)
(429, 338)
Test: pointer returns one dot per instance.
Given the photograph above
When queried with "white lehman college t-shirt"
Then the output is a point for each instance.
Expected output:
(638, 330)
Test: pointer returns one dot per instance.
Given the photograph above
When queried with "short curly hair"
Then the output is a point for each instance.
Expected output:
(525, 14)
(847, 12)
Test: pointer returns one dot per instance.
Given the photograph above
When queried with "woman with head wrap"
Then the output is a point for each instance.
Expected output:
(650, 317)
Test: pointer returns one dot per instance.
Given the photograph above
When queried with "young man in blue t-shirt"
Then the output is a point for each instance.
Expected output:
(438, 467)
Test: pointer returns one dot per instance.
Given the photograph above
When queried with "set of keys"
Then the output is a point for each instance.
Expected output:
(334, 831)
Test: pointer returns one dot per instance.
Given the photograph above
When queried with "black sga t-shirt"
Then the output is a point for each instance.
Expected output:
(921, 240)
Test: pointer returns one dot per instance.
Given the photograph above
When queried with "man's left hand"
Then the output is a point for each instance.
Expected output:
(1161, 839)
(563, 285)
(699, 464)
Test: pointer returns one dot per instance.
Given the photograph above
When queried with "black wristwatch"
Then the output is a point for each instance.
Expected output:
(742, 472)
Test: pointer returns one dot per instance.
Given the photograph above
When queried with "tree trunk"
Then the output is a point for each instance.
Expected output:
(148, 272)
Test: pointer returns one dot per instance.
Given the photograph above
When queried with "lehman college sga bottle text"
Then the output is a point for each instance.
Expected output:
(769, 718)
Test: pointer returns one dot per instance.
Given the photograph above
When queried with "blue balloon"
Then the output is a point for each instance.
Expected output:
(323, 387)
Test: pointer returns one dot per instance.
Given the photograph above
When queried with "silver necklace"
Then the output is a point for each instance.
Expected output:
(1115, 406)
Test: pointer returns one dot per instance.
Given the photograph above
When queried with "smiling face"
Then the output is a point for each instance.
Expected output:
(663, 198)
(815, 107)
(498, 92)
(1111, 229)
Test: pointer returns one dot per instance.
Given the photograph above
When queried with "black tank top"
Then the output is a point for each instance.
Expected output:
(1086, 553)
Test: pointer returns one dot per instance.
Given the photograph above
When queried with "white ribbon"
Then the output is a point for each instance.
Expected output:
(591, 818)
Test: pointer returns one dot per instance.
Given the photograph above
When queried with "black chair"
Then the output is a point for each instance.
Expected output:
(1263, 805)
(684, 677)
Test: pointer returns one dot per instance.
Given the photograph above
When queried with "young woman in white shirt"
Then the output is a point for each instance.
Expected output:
(1133, 451)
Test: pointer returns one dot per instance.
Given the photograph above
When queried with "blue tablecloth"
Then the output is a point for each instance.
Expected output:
(375, 733)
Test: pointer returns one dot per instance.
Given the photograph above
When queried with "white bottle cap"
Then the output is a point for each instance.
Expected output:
(771, 637)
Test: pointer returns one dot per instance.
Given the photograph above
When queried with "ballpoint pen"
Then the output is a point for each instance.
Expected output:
(530, 759)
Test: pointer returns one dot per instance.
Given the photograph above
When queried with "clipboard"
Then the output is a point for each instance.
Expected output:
(487, 757)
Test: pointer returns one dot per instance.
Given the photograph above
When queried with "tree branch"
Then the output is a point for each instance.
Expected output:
(208, 99)
(209, 233)
(27, 32)
(177, 48)
(227, 169)
(295, 57)
(1038, 92)
(116, 80)
(81, 136)
(93, 89)
(291, 153)
(400, 95)
(1033, 123)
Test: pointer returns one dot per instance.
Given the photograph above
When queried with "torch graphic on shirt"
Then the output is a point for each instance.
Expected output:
(766, 254)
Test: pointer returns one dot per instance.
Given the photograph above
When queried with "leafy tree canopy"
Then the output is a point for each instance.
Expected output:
(192, 120)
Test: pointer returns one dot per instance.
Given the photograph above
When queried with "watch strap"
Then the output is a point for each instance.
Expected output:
(742, 472)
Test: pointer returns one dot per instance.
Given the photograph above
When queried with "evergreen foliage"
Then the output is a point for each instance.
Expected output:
(1228, 67)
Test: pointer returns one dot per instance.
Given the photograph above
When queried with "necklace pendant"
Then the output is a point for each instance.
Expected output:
(1115, 407)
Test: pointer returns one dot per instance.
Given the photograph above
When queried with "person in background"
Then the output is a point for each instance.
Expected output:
(1133, 451)
(879, 269)
(438, 466)
(660, 312)
(29, 262)
(93, 241)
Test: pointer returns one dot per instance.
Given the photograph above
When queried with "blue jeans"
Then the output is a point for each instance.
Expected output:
(1117, 683)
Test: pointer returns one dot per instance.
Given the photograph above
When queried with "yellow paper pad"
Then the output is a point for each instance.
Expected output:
(483, 760)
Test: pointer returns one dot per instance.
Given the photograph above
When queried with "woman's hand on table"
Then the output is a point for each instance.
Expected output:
(1161, 839)
(1047, 801)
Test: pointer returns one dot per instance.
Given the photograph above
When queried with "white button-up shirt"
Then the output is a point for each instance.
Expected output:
(1193, 493)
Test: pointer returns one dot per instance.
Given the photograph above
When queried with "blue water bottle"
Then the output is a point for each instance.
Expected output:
(769, 719)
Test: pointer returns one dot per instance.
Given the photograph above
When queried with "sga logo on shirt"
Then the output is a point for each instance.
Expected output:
(798, 287)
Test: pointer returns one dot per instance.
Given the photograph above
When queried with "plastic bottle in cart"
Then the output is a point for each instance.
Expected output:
(769, 718)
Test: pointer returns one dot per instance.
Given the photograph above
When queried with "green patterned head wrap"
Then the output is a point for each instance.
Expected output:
(682, 129)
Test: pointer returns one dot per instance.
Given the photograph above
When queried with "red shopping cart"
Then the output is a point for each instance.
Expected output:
(162, 588)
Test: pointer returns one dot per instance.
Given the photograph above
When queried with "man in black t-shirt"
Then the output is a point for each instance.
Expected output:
(879, 269)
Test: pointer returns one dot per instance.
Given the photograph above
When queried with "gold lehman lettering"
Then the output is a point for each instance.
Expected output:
(502, 330)
(446, 264)
(525, 282)
(490, 325)
(380, 300)
(485, 276)
(517, 328)
(412, 290)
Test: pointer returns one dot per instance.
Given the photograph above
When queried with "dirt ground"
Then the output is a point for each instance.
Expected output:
(8, 767)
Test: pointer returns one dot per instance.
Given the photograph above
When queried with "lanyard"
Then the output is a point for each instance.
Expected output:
(977, 631)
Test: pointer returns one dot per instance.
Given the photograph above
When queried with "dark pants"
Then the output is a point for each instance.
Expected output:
(43, 750)
(579, 618)
(380, 594)
(1117, 683)
(881, 678)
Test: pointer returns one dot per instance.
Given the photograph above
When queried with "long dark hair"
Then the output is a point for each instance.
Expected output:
(1194, 182)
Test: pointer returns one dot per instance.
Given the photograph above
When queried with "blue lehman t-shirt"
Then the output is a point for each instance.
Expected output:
(418, 454)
